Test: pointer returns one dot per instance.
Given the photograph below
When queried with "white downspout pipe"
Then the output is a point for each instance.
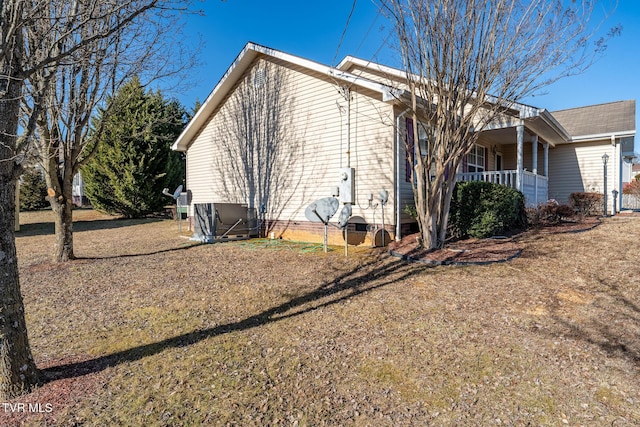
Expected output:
(347, 93)
(520, 154)
(398, 180)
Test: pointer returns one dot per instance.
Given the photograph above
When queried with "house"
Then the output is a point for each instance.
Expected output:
(596, 131)
(279, 131)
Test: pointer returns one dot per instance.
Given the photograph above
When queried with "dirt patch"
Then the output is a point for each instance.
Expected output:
(573, 226)
(481, 251)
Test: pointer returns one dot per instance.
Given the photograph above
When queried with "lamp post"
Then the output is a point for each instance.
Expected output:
(605, 158)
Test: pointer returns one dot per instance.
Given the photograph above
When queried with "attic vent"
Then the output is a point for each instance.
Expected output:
(259, 77)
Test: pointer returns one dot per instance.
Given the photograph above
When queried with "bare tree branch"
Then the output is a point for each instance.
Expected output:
(468, 62)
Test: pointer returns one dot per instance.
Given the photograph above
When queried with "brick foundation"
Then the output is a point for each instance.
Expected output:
(306, 231)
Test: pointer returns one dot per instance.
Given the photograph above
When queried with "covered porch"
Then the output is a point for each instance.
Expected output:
(516, 152)
(534, 187)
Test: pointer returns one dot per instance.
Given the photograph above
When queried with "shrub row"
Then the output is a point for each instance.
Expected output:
(550, 212)
(589, 204)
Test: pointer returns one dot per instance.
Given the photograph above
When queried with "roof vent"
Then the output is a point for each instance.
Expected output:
(259, 77)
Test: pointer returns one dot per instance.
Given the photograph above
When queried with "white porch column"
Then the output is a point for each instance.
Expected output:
(534, 153)
(520, 139)
(546, 159)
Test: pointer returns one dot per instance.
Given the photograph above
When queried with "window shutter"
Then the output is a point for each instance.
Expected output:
(411, 147)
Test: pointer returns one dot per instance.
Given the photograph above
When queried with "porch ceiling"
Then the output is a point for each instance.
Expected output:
(532, 126)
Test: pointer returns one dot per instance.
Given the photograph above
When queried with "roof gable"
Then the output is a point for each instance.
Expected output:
(243, 61)
(602, 120)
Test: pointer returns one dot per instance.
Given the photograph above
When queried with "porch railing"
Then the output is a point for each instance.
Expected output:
(534, 187)
(630, 201)
(507, 178)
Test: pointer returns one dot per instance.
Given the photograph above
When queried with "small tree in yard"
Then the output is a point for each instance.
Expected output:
(134, 161)
(467, 62)
(76, 89)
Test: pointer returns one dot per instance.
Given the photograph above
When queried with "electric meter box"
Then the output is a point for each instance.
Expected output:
(347, 185)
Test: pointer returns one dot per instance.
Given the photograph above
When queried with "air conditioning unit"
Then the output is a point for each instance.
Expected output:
(204, 222)
(223, 220)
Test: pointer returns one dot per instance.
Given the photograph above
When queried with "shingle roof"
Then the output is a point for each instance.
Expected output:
(598, 119)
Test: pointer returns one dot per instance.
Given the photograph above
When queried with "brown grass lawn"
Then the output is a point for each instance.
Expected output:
(146, 329)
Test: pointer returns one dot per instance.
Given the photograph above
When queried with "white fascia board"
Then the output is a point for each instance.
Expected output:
(246, 55)
(388, 93)
(601, 136)
(350, 60)
(554, 124)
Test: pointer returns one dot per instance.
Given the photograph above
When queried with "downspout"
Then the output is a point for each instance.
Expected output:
(398, 166)
(348, 95)
(617, 149)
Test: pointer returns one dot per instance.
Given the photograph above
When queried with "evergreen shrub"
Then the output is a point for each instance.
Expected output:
(33, 190)
(482, 209)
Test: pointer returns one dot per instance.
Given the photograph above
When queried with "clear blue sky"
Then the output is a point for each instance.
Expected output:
(313, 30)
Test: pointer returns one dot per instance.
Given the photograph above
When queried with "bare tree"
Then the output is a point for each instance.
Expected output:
(260, 142)
(20, 58)
(467, 62)
(65, 139)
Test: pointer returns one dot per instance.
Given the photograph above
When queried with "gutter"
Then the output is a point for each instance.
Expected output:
(599, 136)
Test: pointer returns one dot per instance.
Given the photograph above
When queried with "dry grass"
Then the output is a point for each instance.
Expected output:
(163, 333)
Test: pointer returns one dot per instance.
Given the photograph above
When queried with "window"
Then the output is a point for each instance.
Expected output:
(475, 160)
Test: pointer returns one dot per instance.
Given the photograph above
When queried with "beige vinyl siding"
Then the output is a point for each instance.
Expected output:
(578, 167)
(318, 120)
(406, 190)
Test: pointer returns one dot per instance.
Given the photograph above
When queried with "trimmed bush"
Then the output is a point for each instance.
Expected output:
(549, 213)
(588, 204)
(482, 209)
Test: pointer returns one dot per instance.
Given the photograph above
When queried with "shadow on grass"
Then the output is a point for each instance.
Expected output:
(160, 251)
(44, 228)
(377, 273)
(612, 326)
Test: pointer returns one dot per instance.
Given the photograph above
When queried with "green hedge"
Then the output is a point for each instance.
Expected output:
(482, 209)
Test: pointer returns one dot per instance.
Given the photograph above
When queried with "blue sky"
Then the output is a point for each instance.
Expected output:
(313, 30)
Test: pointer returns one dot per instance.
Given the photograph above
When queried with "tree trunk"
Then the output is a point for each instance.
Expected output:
(63, 208)
(18, 371)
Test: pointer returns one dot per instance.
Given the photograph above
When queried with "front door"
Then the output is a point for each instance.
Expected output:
(498, 161)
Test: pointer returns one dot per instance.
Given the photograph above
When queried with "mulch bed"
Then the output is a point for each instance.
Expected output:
(481, 251)
(60, 389)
